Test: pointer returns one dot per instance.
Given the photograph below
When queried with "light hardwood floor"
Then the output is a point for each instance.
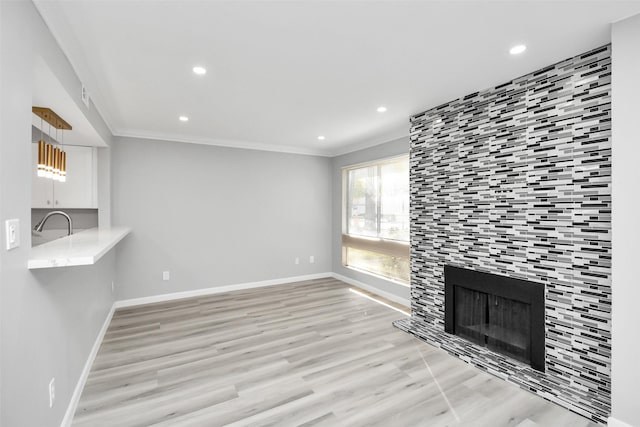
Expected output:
(309, 353)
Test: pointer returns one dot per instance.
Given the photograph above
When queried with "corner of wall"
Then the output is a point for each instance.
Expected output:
(625, 371)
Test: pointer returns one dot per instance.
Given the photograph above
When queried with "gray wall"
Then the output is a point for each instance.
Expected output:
(216, 216)
(49, 319)
(626, 228)
(389, 149)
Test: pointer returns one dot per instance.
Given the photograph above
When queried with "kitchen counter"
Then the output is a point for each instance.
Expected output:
(82, 248)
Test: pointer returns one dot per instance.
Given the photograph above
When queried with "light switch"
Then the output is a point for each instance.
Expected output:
(12, 237)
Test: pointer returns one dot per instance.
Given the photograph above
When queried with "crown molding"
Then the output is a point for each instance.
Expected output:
(260, 146)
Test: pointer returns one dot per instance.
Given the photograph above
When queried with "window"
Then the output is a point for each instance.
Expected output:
(375, 234)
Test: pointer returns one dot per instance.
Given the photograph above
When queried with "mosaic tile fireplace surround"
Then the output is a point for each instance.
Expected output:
(516, 181)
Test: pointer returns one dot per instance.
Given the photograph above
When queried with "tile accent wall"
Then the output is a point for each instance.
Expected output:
(516, 180)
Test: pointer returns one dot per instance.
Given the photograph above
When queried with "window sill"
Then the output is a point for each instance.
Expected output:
(378, 276)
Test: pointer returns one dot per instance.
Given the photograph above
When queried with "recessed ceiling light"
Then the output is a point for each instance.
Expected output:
(201, 71)
(321, 137)
(183, 118)
(517, 49)
(382, 109)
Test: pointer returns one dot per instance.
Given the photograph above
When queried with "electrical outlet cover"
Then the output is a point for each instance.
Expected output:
(85, 95)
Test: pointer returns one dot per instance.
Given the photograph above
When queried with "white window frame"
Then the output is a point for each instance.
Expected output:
(390, 247)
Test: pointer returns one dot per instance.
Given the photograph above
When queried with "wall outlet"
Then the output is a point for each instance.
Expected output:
(52, 392)
(12, 236)
(297, 261)
(166, 275)
(312, 259)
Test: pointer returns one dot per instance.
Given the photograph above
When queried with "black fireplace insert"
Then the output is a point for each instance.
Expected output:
(503, 314)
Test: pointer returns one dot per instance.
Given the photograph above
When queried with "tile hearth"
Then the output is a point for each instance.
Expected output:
(510, 370)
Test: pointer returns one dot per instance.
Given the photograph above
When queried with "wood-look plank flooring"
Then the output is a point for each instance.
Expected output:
(308, 353)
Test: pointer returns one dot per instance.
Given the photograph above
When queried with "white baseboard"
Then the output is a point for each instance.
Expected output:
(612, 422)
(216, 290)
(387, 295)
(75, 397)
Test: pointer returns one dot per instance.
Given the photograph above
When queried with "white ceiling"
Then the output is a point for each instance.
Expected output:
(281, 73)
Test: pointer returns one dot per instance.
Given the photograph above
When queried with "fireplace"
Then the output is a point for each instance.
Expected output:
(503, 314)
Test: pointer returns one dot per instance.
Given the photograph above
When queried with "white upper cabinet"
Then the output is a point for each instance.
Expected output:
(81, 188)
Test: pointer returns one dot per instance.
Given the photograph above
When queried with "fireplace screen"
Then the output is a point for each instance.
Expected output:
(503, 314)
(501, 324)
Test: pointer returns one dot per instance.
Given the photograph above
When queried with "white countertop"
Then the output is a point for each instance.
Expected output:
(82, 248)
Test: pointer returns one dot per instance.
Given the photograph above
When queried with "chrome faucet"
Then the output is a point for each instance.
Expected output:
(40, 225)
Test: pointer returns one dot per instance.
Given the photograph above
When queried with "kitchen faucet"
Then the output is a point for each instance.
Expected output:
(40, 225)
